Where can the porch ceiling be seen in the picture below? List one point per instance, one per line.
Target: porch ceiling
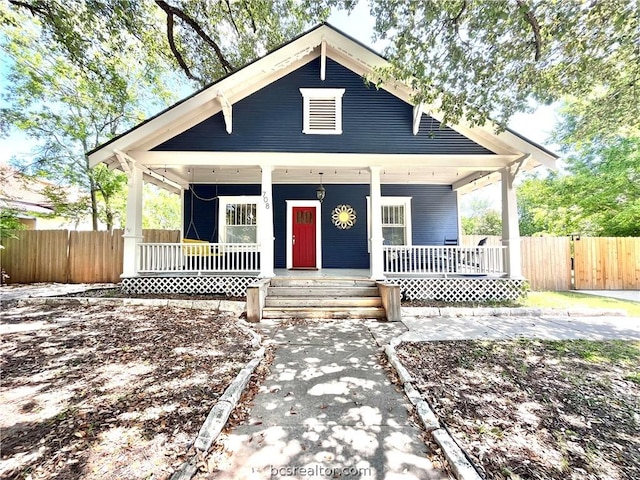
(399, 174)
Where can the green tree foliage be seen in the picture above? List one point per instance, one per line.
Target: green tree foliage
(161, 209)
(9, 221)
(205, 40)
(70, 107)
(598, 195)
(482, 219)
(476, 58)
(471, 58)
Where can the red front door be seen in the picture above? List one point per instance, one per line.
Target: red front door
(304, 237)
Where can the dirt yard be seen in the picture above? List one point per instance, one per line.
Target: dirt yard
(536, 409)
(100, 392)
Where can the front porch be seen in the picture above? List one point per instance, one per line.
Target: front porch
(450, 284)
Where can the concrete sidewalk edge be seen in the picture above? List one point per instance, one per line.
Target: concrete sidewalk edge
(461, 467)
(238, 307)
(220, 412)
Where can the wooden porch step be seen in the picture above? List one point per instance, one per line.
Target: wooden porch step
(323, 301)
(323, 312)
(328, 298)
(323, 291)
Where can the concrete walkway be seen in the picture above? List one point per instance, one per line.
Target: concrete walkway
(425, 328)
(631, 295)
(328, 410)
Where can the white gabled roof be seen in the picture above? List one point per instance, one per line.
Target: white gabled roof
(273, 66)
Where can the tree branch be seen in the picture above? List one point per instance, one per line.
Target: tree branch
(32, 8)
(535, 26)
(231, 16)
(170, 11)
(456, 21)
(174, 49)
(253, 20)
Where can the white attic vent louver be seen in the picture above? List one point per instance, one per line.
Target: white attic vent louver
(322, 110)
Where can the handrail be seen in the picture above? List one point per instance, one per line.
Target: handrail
(198, 257)
(444, 259)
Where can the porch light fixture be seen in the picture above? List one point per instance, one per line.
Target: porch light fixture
(320, 191)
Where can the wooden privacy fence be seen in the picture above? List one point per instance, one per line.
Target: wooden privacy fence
(546, 261)
(606, 263)
(70, 256)
(599, 263)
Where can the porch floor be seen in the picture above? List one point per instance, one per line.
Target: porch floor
(333, 273)
(323, 273)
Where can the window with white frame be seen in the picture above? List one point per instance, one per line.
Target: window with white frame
(396, 220)
(322, 110)
(238, 220)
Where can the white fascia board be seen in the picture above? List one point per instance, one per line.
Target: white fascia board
(158, 159)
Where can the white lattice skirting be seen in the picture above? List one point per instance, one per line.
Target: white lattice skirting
(460, 289)
(231, 286)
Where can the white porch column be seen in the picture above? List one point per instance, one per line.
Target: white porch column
(133, 226)
(376, 259)
(510, 227)
(265, 223)
(459, 217)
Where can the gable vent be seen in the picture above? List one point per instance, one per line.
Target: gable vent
(322, 113)
(322, 110)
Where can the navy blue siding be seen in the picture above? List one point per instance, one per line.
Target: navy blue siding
(433, 217)
(433, 211)
(374, 121)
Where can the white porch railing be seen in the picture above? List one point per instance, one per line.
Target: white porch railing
(198, 257)
(479, 260)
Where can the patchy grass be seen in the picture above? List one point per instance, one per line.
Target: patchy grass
(101, 392)
(579, 300)
(536, 409)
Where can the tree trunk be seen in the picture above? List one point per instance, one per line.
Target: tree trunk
(92, 188)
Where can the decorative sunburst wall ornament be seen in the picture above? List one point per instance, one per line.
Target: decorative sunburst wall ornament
(343, 216)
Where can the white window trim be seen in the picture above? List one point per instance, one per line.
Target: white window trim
(391, 201)
(336, 94)
(304, 203)
(223, 201)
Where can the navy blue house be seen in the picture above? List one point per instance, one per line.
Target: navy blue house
(300, 161)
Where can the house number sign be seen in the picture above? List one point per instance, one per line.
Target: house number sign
(265, 199)
(343, 217)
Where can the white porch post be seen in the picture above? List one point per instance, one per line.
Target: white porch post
(459, 217)
(510, 227)
(376, 260)
(265, 223)
(133, 227)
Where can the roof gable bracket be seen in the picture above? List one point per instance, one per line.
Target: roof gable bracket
(521, 163)
(226, 110)
(323, 59)
(124, 160)
(417, 116)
